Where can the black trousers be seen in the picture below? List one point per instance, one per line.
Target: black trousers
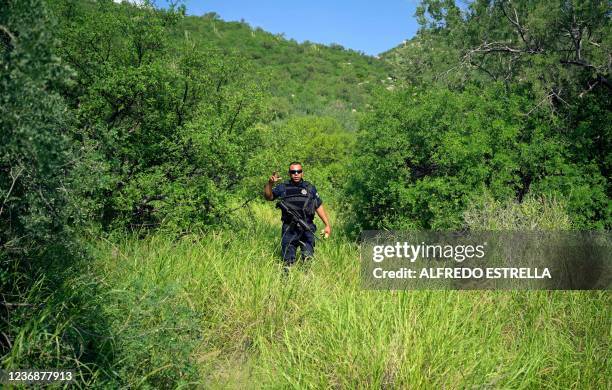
(294, 237)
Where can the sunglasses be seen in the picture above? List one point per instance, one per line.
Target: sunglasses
(295, 171)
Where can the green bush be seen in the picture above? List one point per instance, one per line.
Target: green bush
(423, 157)
(166, 126)
(48, 315)
(321, 144)
(35, 151)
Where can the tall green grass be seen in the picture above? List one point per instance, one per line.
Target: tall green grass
(215, 310)
(53, 320)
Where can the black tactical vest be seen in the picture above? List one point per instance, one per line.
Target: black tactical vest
(298, 198)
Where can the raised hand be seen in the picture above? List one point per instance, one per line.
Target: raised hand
(274, 178)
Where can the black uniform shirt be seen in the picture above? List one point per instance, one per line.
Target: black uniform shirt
(280, 189)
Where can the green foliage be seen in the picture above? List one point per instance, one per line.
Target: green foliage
(424, 156)
(552, 56)
(34, 148)
(59, 323)
(556, 49)
(44, 321)
(166, 124)
(175, 122)
(532, 214)
(321, 144)
(318, 328)
(306, 77)
(153, 341)
(173, 113)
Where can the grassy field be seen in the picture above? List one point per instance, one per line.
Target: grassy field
(215, 310)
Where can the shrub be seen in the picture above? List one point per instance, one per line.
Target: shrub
(423, 157)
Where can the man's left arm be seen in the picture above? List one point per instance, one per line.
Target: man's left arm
(321, 213)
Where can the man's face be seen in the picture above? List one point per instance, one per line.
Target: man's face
(295, 172)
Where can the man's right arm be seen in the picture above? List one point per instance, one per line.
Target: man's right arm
(268, 191)
(268, 187)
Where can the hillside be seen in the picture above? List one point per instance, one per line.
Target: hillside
(306, 77)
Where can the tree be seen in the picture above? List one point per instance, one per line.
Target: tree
(37, 159)
(35, 151)
(560, 50)
(555, 57)
(170, 122)
(423, 157)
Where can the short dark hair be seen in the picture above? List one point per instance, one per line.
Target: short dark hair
(295, 163)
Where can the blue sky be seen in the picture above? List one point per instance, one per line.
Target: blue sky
(368, 26)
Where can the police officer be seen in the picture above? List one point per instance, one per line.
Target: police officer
(302, 197)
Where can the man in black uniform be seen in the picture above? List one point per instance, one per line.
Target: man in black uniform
(303, 198)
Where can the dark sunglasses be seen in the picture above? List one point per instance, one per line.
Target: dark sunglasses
(295, 171)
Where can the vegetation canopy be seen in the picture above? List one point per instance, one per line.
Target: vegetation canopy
(136, 246)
